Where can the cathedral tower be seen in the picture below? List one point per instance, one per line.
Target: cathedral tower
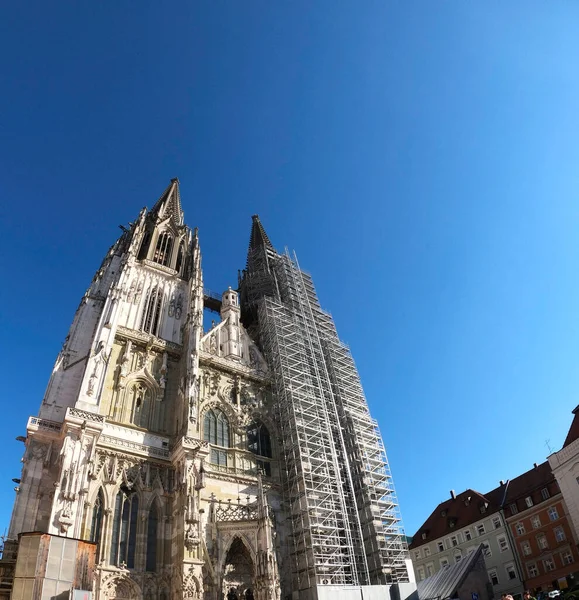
(154, 439)
(237, 462)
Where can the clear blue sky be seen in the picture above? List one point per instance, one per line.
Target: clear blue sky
(421, 157)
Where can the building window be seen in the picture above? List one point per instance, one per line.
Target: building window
(553, 514)
(560, 534)
(454, 540)
(529, 501)
(502, 541)
(426, 551)
(567, 557)
(163, 250)
(514, 509)
(180, 256)
(545, 494)
(549, 564)
(536, 522)
(440, 546)
(420, 573)
(258, 440)
(417, 554)
(511, 572)
(216, 428)
(520, 528)
(480, 529)
(542, 541)
(444, 563)
(97, 519)
(152, 523)
(218, 457)
(124, 534)
(458, 557)
(532, 570)
(467, 535)
(496, 522)
(141, 404)
(152, 312)
(429, 569)
(487, 549)
(526, 548)
(494, 576)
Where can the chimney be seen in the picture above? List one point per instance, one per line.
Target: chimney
(501, 482)
(452, 494)
(535, 465)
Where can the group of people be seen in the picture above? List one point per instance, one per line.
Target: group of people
(526, 596)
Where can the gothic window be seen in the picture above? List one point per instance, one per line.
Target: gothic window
(145, 245)
(152, 522)
(124, 529)
(180, 256)
(258, 440)
(163, 250)
(97, 519)
(216, 428)
(140, 399)
(152, 312)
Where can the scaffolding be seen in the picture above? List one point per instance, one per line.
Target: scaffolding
(345, 525)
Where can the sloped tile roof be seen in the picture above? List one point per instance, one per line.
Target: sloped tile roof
(453, 514)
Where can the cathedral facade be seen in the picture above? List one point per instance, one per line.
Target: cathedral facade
(235, 463)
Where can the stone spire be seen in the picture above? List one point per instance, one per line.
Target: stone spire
(169, 204)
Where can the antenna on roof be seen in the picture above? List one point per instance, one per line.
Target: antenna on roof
(548, 446)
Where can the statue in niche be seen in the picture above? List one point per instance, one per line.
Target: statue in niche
(253, 359)
(179, 306)
(163, 372)
(138, 293)
(213, 344)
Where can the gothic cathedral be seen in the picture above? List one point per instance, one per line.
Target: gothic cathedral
(236, 463)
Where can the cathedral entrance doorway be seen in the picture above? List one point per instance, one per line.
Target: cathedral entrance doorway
(238, 577)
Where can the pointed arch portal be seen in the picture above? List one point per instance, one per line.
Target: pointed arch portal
(238, 573)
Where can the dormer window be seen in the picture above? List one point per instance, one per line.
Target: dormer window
(163, 250)
(443, 512)
(424, 535)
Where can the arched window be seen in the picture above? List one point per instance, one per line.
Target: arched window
(180, 256)
(216, 428)
(124, 528)
(97, 519)
(141, 402)
(258, 440)
(163, 250)
(152, 312)
(152, 522)
(144, 249)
